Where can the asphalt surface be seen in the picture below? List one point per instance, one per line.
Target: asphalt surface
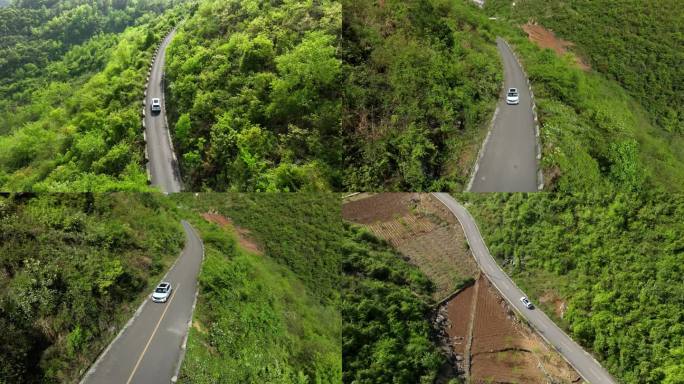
(149, 349)
(163, 165)
(583, 363)
(509, 158)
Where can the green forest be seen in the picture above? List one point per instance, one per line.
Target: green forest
(614, 259)
(72, 76)
(422, 82)
(271, 318)
(254, 94)
(387, 336)
(73, 268)
(595, 135)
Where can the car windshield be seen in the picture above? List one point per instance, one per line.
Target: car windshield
(512, 93)
(160, 289)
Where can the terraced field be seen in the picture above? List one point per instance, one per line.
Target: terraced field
(417, 226)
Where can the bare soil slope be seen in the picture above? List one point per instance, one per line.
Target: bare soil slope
(547, 39)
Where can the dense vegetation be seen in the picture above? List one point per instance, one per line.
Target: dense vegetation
(422, 80)
(386, 335)
(254, 95)
(596, 136)
(615, 259)
(71, 80)
(635, 42)
(269, 318)
(72, 268)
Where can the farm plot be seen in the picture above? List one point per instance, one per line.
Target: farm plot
(418, 227)
(502, 349)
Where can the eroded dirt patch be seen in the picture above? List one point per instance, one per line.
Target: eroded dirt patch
(242, 234)
(559, 305)
(547, 39)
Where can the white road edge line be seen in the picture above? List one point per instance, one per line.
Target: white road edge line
(194, 303)
(156, 327)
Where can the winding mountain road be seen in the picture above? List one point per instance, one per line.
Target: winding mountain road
(150, 347)
(163, 165)
(508, 162)
(590, 370)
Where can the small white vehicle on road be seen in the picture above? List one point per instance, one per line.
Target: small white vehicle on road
(162, 292)
(156, 105)
(526, 302)
(513, 96)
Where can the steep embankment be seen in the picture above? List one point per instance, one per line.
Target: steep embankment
(71, 82)
(72, 268)
(268, 303)
(253, 91)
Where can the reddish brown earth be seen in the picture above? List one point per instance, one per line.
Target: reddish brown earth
(458, 310)
(503, 350)
(547, 39)
(242, 234)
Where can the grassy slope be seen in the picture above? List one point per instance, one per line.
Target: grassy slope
(615, 260)
(72, 270)
(594, 134)
(270, 318)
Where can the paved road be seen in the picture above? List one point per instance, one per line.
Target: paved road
(585, 365)
(162, 165)
(148, 351)
(509, 158)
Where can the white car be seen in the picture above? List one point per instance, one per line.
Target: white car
(526, 302)
(513, 96)
(162, 292)
(156, 105)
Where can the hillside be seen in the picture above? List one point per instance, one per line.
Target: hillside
(72, 270)
(422, 81)
(607, 267)
(636, 43)
(618, 124)
(71, 80)
(254, 96)
(268, 308)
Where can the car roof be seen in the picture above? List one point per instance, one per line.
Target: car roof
(513, 90)
(164, 284)
(155, 100)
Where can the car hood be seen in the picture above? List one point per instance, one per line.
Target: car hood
(159, 295)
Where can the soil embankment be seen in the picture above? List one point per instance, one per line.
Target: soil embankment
(502, 349)
(547, 39)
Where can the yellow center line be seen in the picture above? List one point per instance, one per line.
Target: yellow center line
(168, 304)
